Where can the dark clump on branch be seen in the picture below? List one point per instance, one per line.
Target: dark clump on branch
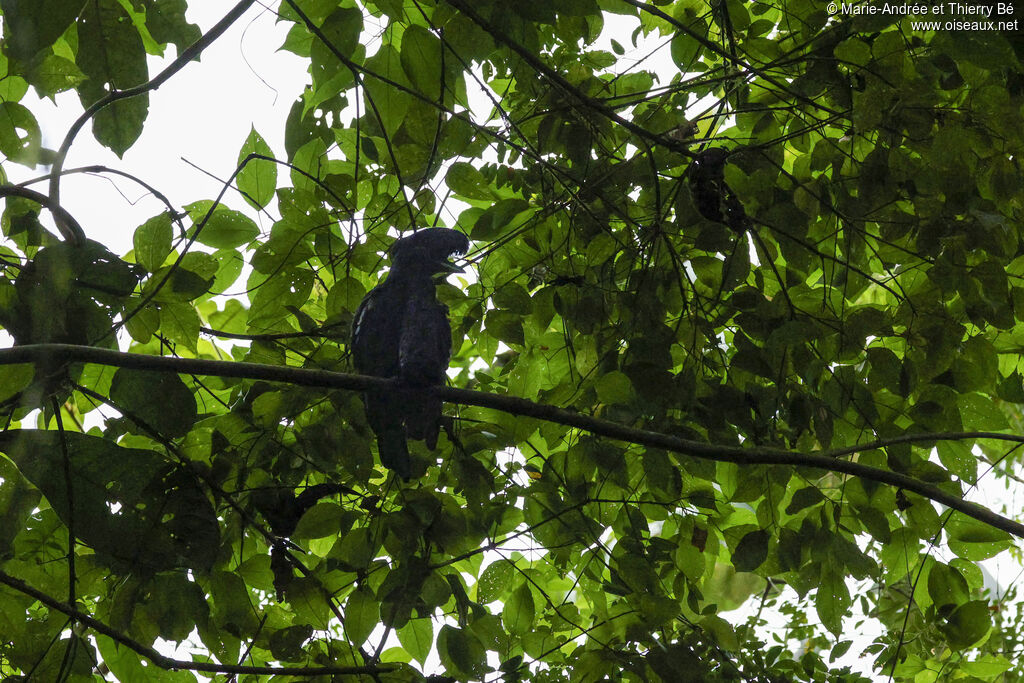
(714, 198)
(401, 331)
(70, 293)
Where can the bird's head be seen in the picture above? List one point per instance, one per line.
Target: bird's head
(426, 252)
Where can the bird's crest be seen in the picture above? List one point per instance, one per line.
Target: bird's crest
(430, 246)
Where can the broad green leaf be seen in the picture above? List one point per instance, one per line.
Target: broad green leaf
(224, 229)
(112, 56)
(968, 624)
(320, 521)
(257, 181)
(166, 22)
(33, 25)
(466, 181)
(495, 581)
(833, 597)
(387, 103)
(519, 611)
(614, 387)
(20, 137)
(417, 637)
(947, 586)
(362, 614)
(14, 379)
(421, 60)
(461, 652)
(974, 540)
(180, 322)
(287, 643)
(751, 551)
(55, 74)
(152, 242)
(232, 603)
(170, 417)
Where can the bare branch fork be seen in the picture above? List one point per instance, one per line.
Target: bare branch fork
(825, 460)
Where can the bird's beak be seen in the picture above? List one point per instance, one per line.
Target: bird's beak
(449, 268)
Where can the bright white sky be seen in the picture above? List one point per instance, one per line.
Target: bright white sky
(202, 114)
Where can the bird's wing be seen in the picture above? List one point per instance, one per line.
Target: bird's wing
(423, 356)
(426, 342)
(376, 329)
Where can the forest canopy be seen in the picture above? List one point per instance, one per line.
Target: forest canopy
(735, 389)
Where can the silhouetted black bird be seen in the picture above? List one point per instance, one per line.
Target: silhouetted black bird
(713, 198)
(401, 330)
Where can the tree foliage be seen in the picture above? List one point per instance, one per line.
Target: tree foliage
(741, 341)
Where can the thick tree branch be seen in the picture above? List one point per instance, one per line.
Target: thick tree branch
(170, 663)
(828, 460)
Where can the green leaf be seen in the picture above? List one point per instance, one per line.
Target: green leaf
(804, 498)
(20, 137)
(751, 551)
(33, 25)
(967, 624)
(495, 581)
(500, 218)
(684, 49)
(417, 637)
(112, 56)
(614, 387)
(287, 643)
(722, 631)
(854, 51)
(362, 614)
(466, 181)
(421, 59)
(166, 22)
(180, 322)
(152, 242)
(946, 586)
(341, 30)
(320, 521)
(258, 179)
(224, 229)
(232, 603)
(388, 104)
(974, 540)
(959, 459)
(519, 612)
(171, 416)
(55, 74)
(14, 379)
(833, 597)
(129, 667)
(461, 652)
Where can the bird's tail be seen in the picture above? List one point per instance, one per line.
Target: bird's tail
(384, 414)
(394, 452)
(423, 420)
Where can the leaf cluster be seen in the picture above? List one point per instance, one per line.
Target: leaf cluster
(871, 293)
